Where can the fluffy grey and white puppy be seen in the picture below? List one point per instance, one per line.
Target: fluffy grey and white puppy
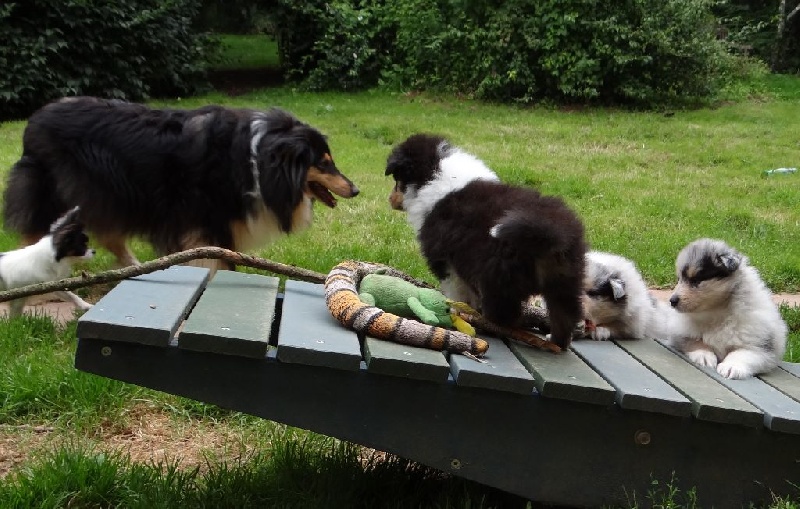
(733, 323)
(617, 304)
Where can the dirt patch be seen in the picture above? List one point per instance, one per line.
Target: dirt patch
(147, 435)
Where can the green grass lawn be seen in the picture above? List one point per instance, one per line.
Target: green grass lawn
(645, 184)
(246, 52)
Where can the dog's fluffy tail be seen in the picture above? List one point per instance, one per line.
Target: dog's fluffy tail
(537, 237)
(29, 202)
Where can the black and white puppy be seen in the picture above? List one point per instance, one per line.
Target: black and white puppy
(618, 305)
(50, 259)
(212, 176)
(490, 244)
(733, 323)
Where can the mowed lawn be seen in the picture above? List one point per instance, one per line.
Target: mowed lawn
(644, 183)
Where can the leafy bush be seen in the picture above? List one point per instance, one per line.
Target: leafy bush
(633, 51)
(128, 49)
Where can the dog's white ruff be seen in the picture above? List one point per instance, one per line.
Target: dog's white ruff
(456, 170)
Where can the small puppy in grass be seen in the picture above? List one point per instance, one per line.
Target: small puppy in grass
(490, 244)
(732, 323)
(618, 305)
(50, 259)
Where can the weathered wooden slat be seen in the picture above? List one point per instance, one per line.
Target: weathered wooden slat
(145, 309)
(637, 387)
(784, 382)
(564, 375)
(387, 358)
(791, 367)
(233, 316)
(500, 370)
(710, 401)
(310, 335)
(781, 413)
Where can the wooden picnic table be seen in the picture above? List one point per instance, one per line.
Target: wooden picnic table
(587, 427)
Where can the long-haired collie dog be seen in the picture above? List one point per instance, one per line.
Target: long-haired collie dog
(213, 176)
(733, 323)
(490, 244)
(618, 305)
(50, 259)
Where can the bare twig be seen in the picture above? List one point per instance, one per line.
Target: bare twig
(216, 253)
(524, 336)
(794, 13)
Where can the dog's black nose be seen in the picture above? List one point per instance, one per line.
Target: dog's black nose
(674, 301)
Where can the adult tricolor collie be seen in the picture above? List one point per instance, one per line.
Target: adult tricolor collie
(490, 244)
(212, 176)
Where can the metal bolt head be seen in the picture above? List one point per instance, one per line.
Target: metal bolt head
(642, 437)
(455, 464)
(105, 351)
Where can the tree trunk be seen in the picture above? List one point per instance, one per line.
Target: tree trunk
(786, 17)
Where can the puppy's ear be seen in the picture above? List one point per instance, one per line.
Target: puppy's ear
(617, 288)
(69, 219)
(729, 261)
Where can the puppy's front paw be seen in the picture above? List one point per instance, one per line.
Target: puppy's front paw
(601, 334)
(85, 306)
(734, 370)
(703, 358)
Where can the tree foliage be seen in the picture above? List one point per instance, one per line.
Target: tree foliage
(629, 51)
(130, 49)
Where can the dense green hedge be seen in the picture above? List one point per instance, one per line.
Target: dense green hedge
(627, 51)
(127, 49)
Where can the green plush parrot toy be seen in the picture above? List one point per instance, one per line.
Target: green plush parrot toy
(402, 298)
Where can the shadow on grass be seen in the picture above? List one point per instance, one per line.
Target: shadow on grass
(235, 82)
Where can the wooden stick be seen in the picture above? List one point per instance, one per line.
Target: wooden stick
(524, 336)
(162, 263)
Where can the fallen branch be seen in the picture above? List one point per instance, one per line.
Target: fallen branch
(216, 253)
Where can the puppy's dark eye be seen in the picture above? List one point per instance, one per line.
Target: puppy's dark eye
(705, 274)
(693, 281)
(603, 291)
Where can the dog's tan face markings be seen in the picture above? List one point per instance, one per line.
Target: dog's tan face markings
(396, 197)
(324, 178)
(706, 271)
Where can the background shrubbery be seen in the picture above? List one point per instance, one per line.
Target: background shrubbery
(127, 49)
(637, 52)
(631, 51)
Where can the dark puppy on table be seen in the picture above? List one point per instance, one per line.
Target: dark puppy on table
(491, 245)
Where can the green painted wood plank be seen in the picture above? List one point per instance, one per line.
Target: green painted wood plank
(564, 375)
(637, 387)
(781, 413)
(710, 400)
(784, 381)
(233, 316)
(308, 333)
(500, 370)
(389, 358)
(791, 367)
(146, 309)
